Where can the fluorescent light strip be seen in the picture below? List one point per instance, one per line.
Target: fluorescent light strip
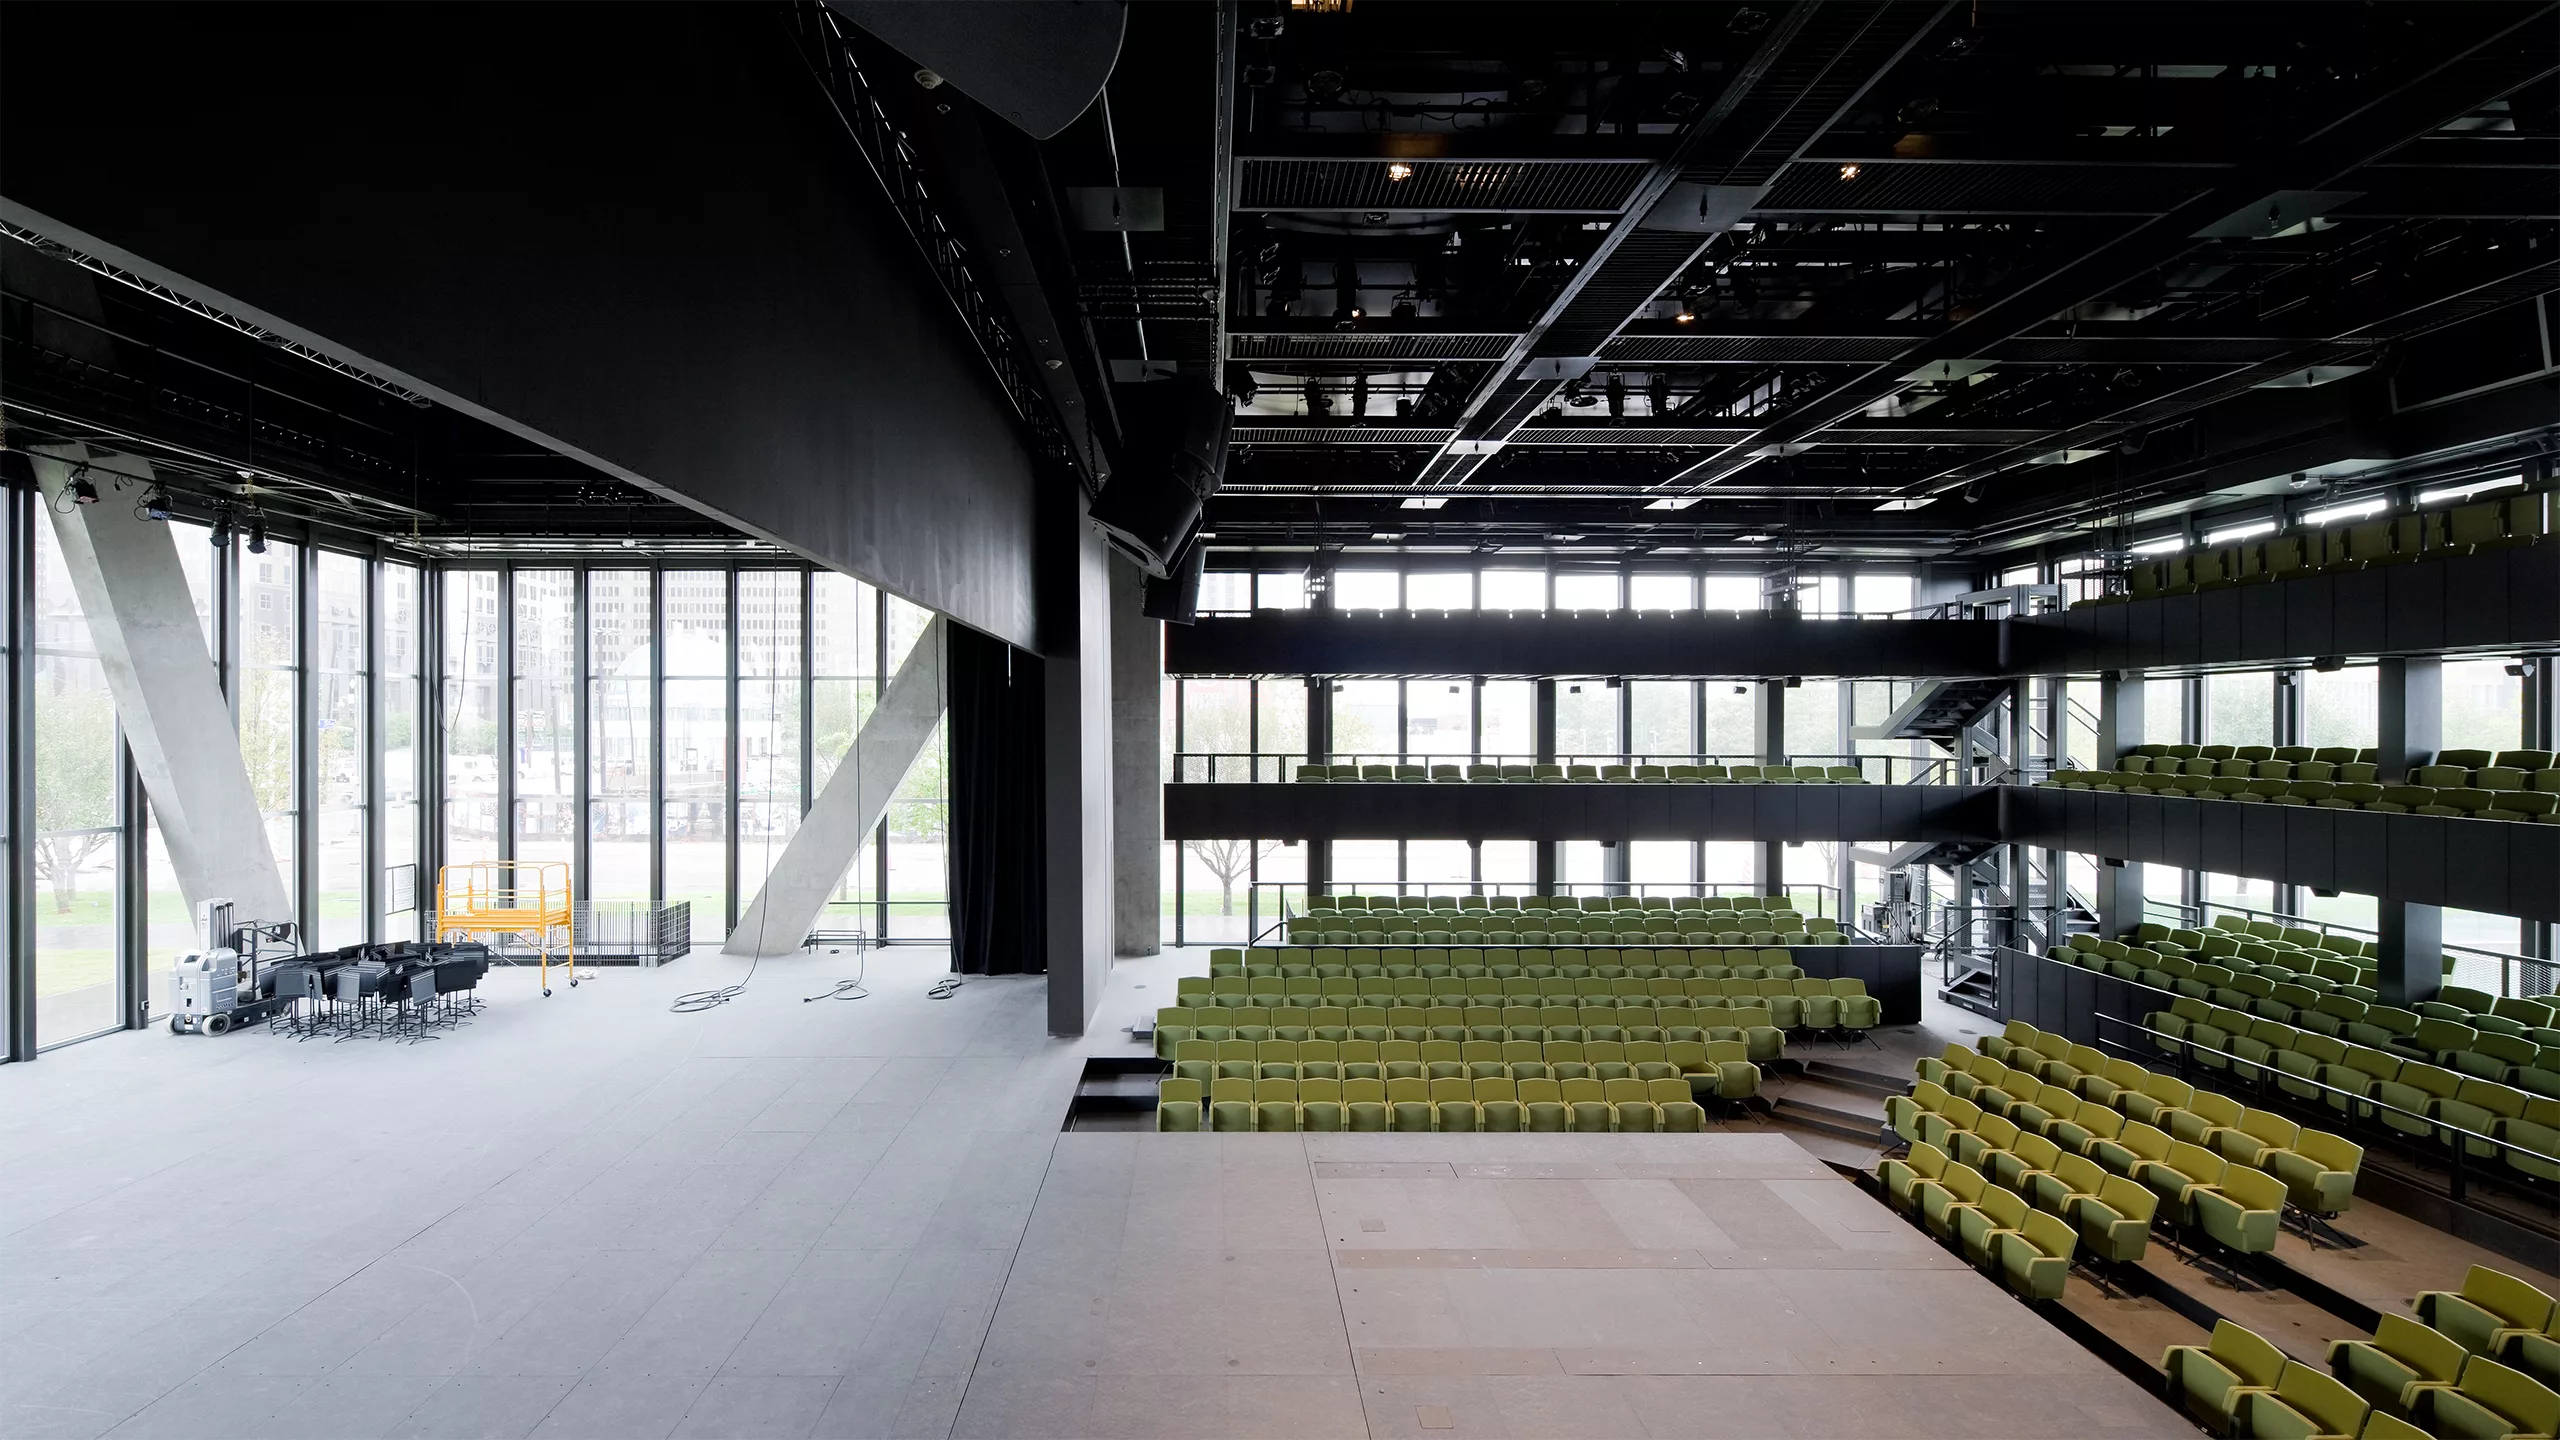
(2352, 510)
(2240, 532)
(2465, 492)
(2161, 546)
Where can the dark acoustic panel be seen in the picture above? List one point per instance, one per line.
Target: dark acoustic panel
(2218, 625)
(2414, 851)
(2475, 601)
(2363, 851)
(2359, 613)
(2310, 849)
(2413, 606)
(1321, 642)
(2310, 619)
(1423, 811)
(2477, 871)
(2262, 610)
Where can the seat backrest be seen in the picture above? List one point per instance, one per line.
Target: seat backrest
(2321, 1398)
(2196, 1163)
(2128, 1198)
(2050, 1234)
(2253, 1189)
(2246, 1354)
(2529, 1406)
(2435, 1355)
(2083, 1175)
(2521, 1305)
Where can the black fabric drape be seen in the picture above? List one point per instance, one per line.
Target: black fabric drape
(996, 909)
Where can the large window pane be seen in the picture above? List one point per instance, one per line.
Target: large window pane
(468, 716)
(545, 753)
(2240, 708)
(1437, 722)
(1364, 721)
(338, 671)
(1217, 883)
(1732, 592)
(619, 745)
(2338, 708)
(1509, 713)
(77, 814)
(695, 752)
(1440, 590)
(844, 635)
(1282, 706)
(1660, 867)
(1586, 722)
(1225, 592)
(768, 720)
(918, 824)
(267, 625)
(2163, 713)
(1367, 590)
(1217, 716)
(1732, 731)
(1280, 590)
(2483, 706)
(1364, 867)
(1586, 591)
(401, 622)
(1883, 594)
(1509, 867)
(1660, 592)
(1813, 722)
(1659, 713)
(1513, 590)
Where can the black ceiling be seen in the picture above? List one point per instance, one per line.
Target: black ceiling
(1664, 274)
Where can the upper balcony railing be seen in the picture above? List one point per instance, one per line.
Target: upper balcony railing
(1218, 767)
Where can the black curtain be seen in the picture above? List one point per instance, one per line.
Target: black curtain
(996, 746)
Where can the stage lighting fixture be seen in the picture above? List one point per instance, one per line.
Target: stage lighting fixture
(1398, 171)
(257, 544)
(1850, 172)
(220, 535)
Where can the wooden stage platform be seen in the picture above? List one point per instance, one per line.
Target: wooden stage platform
(1507, 1285)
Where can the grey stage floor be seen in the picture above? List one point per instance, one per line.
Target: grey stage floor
(1506, 1285)
(589, 1217)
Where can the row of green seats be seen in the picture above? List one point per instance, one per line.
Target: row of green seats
(1722, 1067)
(2540, 802)
(1581, 1107)
(1606, 939)
(2523, 1026)
(1817, 1005)
(2319, 1169)
(2507, 1123)
(2517, 1060)
(2030, 1246)
(2481, 1361)
(2391, 540)
(1751, 1024)
(1335, 963)
(1545, 904)
(1515, 989)
(1482, 774)
(2317, 967)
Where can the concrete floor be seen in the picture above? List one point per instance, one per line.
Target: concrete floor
(588, 1216)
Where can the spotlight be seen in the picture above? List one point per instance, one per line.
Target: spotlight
(221, 533)
(1275, 308)
(83, 491)
(2522, 669)
(1398, 171)
(1688, 310)
(257, 544)
(630, 542)
(1850, 172)
(154, 506)
(1403, 309)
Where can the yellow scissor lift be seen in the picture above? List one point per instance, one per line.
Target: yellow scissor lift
(497, 898)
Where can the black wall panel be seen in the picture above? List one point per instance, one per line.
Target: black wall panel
(2363, 850)
(710, 297)
(2309, 616)
(1580, 812)
(2475, 600)
(2476, 869)
(2262, 612)
(2413, 606)
(2359, 613)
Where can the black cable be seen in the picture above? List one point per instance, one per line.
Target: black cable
(852, 989)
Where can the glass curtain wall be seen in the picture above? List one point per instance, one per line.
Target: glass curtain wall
(399, 653)
(695, 755)
(621, 736)
(543, 747)
(342, 745)
(267, 644)
(79, 813)
(467, 720)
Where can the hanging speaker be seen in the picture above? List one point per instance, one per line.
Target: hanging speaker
(1175, 597)
(1174, 460)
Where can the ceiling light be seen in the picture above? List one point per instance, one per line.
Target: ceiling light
(1424, 502)
(1913, 504)
(1673, 502)
(1390, 535)
(1688, 310)
(2230, 533)
(2465, 492)
(1564, 537)
(1399, 171)
(2353, 509)
(2161, 546)
(1850, 172)
(1754, 538)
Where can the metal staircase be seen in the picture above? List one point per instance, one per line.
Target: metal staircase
(1941, 711)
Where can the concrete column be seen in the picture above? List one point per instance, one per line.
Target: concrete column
(2120, 718)
(142, 619)
(2119, 898)
(2411, 958)
(1076, 688)
(2409, 695)
(1137, 786)
(848, 809)
(1769, 738)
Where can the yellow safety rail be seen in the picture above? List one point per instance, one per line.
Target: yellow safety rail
(497, 898)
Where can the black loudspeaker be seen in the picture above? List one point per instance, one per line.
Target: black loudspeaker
(1175, 597)
(1173, 461)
